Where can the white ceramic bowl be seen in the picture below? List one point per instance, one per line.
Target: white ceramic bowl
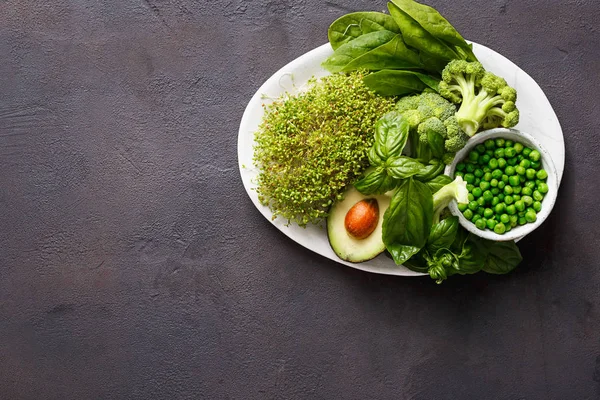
(547, 203)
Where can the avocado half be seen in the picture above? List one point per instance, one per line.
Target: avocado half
(347, 247)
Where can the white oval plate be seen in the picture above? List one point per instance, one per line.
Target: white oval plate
(537, 118)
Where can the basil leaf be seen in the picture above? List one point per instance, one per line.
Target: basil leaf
(417, 263)
(436, 143)
(407, 221)
(389, 82)
(432, 21)
(357, 47)
(376, 182)
(418, 37)
(391, 134)
(438, 182)
(353, 25)
(403, 167)
(473, 255)
(503, 257)
(461, 237)
(442, 235)
(430, 171)
(391, 55)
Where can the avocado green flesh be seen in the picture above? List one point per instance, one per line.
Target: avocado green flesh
(347, 247)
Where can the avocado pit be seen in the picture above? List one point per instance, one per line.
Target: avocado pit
(361, 220)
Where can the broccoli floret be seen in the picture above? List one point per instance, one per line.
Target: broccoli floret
(429, 113)
(486, 101)
(455, 190)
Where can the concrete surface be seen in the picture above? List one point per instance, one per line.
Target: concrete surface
(133, 265)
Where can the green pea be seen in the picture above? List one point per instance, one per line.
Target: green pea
(500, 228)
(478, 173)
(493, 163)
(469, 177)
(516, 197)
(512, 161)
(476, 218)
(495, 201)
(480, 148)
(501, 163)
(479, 211)
(497, 174)
(510, 152)
(487, 176)
(522, 220)
(477, 192)
(510, 170)
(519, 158)
(513, 180)
(542, 188)
(462, 207)
(508, 190)
(501, 196)
(530, 173)
(459, 173)
(522, 179)
(485, 159)
(500, 142)
(468, 214)
(490, 153)
(525, 163)
(526, 151)
(470, 187)
(537, 206)
(488, 213)
(520, 170)
(470, 168)
(480, 201)
(530, 216)
(509, 143)
(529, 209)
(500, 208)
(460, 166)
(541, 174)
(508, 228)
(536, 164)
(535, 155)
(508, 199)
(518, 147)
(521, 213)
(511, 209)
(514, 220)
(530, 184)
(504, 219)
(473, 205)
(484, 185)
(499, 153)
(480, 224)
(501, 184)
(520, 205)
(516, 189)
(528, 200)
(486, 169)
(537, 196)
(504, 178)
(488, 196)
(489, 144)
(491, 224)
(473, 156)
(476, 181)
(526, 191)
(494, 182)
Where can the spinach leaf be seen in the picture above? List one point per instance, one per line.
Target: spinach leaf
(391, 55)
(391, 134)
(353, 25)
(376, 182)
(416, 36)
(433, 22)
(438, 182)
(390, 82)
(357, 47)
(403, 167)
(503, 257)
(407, 221)
(442, 235)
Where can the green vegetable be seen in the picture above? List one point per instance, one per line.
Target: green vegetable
(354, 25)
(399, 82)
(407, 222)
(438, 182)
(486, 101)
(502, 257)
(456, 190)
(310, 146)
(356, 48)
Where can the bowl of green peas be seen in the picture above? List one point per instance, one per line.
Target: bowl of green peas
(512, 184)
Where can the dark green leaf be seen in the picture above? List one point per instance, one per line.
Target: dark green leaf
(376, 182)
(433, 169)
(416, 36)
(407, 221)
(461, 237)
(391, 55)
(442, 235)
(473, 255)
(389, 82)
(438, 182)
(391, 134)
(436, 143)
(432, 21)
(403, 167)
(353, 25)
(503, 257)
(355, 48)
(417, 263)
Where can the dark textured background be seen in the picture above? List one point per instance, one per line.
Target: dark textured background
(134, 266)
